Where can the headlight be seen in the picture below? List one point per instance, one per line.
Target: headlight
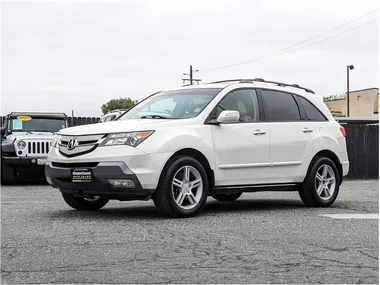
(131, 139)
(55, 140)
(21, 144)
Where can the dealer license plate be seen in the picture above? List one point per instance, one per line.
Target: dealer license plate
(82, 175)
(41, 161)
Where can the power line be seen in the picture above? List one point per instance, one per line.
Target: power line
(281, 51)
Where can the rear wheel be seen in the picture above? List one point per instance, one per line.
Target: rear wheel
(227, 197)
(85, 204)
(8, 174)
(321, 185)
(183, 188)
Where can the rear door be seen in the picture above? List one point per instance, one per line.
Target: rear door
(290, 135)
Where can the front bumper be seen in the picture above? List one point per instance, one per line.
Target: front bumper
(60, 177)
(33, 161)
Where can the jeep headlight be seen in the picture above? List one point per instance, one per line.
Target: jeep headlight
(55, 140)
(131, 139)
(21, 144)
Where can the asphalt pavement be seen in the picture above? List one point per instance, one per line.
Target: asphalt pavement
(261, 238)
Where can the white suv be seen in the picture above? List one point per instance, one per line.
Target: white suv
(217, 139)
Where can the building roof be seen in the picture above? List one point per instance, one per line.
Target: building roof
(360, 90)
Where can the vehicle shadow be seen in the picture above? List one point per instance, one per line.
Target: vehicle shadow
(211, 208)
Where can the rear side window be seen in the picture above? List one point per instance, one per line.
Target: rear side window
(312, 113)
(280, 106)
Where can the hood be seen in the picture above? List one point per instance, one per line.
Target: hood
(117, 127)
(25, 135)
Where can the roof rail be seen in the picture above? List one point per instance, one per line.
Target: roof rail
(265, 81)
(283, 84)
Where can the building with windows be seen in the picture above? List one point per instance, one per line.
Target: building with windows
(364, 103)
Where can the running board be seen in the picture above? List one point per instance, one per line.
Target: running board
(254, 188)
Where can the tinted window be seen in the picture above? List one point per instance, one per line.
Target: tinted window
(243, 101)
(312, 113)
(280, 106)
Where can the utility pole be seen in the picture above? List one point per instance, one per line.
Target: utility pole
(349, 67)
(191, 78)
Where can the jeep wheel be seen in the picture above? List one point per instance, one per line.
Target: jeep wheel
(85, 204)
(183, 188)
(321, 185)
(8, 176)
(226, 197)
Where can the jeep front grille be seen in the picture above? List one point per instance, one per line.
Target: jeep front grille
(38, 148)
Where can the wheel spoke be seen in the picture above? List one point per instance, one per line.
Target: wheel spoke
(191, 198)
(327, 192)
(187, 173)
(177, 182)
(330, 180)
(324, 171)
(180, 198)
(319, 189)
(319, 177)
(196, 183)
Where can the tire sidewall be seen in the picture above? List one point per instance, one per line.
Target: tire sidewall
(173, 168)
(316, 166)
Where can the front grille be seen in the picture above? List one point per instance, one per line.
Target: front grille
(38, 148)
(74, 165)
(84, 144)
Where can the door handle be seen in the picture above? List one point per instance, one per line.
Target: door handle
(306, 130)
(259, 133)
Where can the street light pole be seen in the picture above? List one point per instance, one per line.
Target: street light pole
(349, 67)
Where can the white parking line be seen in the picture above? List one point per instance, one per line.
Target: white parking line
(352, 216)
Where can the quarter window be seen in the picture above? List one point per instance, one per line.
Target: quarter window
(312, 113)
(280, 106)
(244, 101)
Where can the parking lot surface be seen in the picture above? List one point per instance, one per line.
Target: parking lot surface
(261, 238)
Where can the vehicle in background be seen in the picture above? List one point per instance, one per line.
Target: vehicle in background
(25, 143)
(112, 115)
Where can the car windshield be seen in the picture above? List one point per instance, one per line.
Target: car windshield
(177, 104)
(37, 124)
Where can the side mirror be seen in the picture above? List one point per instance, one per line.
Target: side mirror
(2, 132)
(228, 116)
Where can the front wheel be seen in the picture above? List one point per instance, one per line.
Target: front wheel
(183, 188)
(84, 204)
(226, 197)
(321, 185)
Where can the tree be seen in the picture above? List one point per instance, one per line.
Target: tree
(121, 103)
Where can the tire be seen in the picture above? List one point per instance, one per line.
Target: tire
(309, 189)
(193, 195)
(227, 197)
(8, 174)
(82, 204)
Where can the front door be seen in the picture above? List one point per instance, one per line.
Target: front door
(242, 150)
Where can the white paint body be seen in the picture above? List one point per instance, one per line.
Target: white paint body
(237, 156)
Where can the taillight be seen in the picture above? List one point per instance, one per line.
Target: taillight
(342, 130)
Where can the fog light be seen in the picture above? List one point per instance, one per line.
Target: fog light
(33, 160)
(122, 183)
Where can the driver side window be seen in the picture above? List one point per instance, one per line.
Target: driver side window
(244, 101)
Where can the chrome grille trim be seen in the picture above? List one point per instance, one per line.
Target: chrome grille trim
(86, 144)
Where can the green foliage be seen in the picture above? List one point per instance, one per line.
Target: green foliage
(334, 97)
(121, 103)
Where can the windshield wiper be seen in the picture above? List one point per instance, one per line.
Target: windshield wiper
(154, 117)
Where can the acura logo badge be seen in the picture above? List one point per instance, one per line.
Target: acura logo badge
(72, 144)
